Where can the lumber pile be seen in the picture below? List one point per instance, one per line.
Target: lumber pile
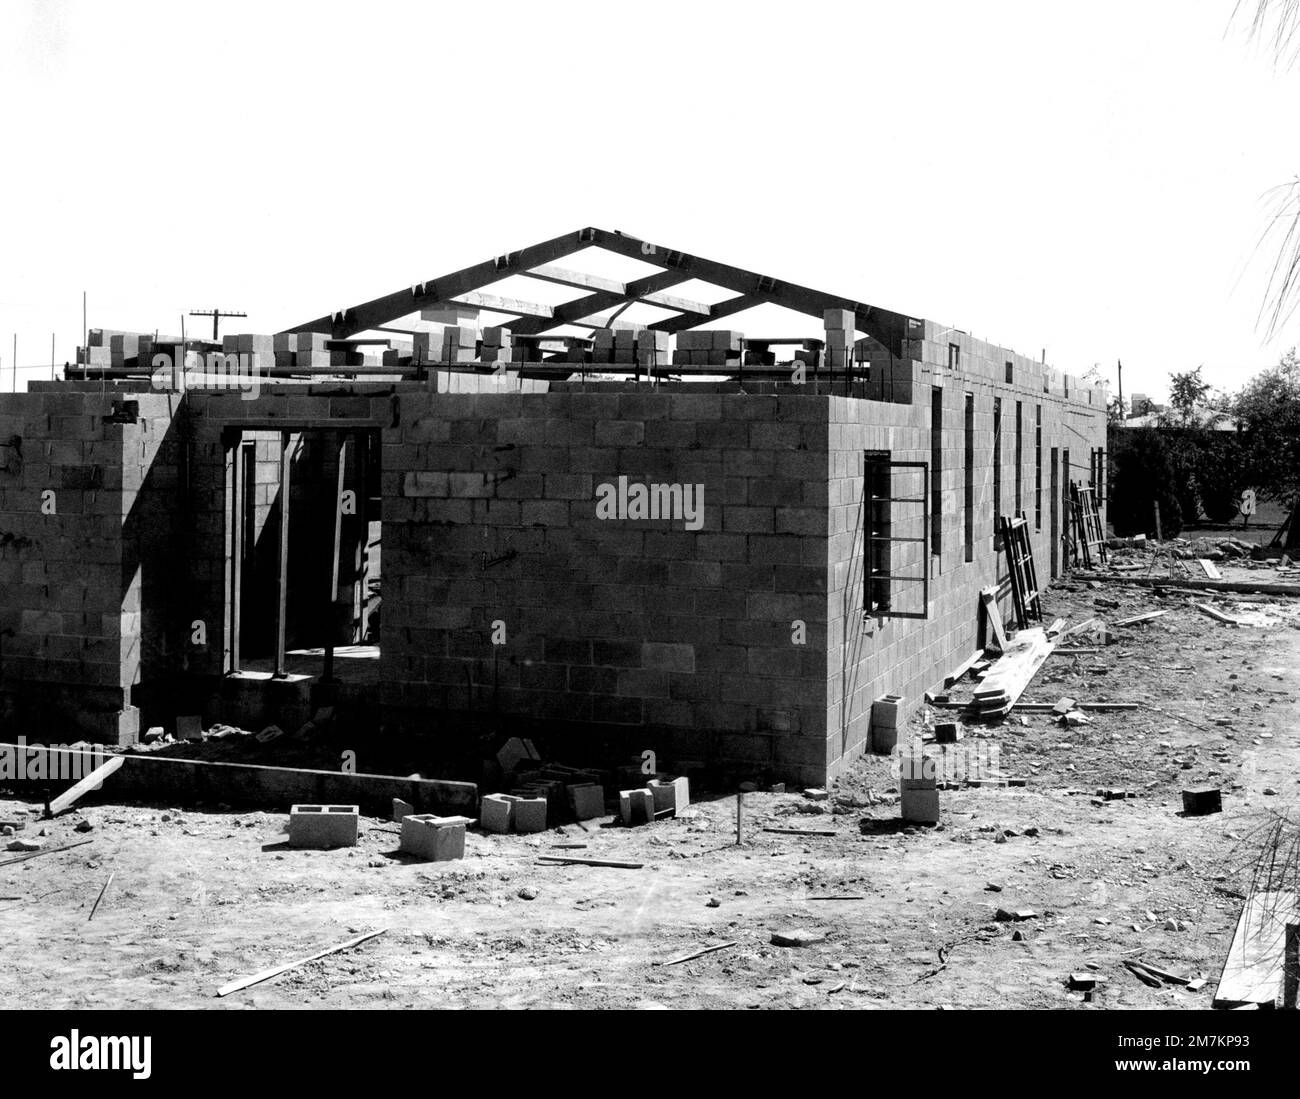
(1012, 672)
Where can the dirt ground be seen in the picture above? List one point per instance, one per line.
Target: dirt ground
(200, 898)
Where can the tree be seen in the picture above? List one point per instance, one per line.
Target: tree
(1143, 476)
(1186, 391)
(1268, 410)
(1278, 23)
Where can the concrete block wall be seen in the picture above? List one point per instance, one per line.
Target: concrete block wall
(871, 656)
(638, 630)
(71, 586)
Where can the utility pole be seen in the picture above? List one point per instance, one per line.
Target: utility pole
(216, 315)
(1119, 365)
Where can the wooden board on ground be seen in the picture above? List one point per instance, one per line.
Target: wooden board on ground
(1209, 568)
(1217, 615)
(1253, 968)
(1139, 619)
(91, 782)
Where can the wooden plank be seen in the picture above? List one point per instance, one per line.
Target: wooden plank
(104, 889)
(1209, 568)
(1217, 615)
(494, 303)
(43, 851)
(91, 782)
(1013, 672)
(803, 831)
(1138, 619)
(962, 668)
(1253, 969)
(267, 974)
(1240, 586)
(993, 617)
(699, 953)
(591, 862)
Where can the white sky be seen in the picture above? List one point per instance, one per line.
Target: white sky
(1088, 178)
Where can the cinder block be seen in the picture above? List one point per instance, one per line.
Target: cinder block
(674, 794)
(886, 713)
(189, 727)
(588, 801)
(947, 732)
(496, 813)
(636, 806)
(435, 839)
(530, 815)
(323, 826)
(920, 804)
(1202, 801)
(402, 809)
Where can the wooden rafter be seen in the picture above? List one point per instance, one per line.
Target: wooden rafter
(537, 261)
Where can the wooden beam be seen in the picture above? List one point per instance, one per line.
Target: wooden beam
(574, 311)
(889, 328)
(578, 279)
(497, 304)
(282, 558)
(91, 782)
(726, 308)
(682, 305)
(411, 299)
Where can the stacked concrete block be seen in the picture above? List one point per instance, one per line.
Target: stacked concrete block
(322, 827)
(839, 337)
(616, 345)
(426, 347)
(636, 806)
(918, 789)
(256, 352)
(706, 347)
(886, 717)
(460, 343)
(653, 348)
(460, 315)
(433, 838)
(497, 346)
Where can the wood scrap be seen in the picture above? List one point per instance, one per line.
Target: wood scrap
(962, 668)
(267, 974)
(91, 782)
(591, 862)
(44, 851)
(803, 831)
(1139, 619)
(844, 897)
(1217, 615)
(1074, 652)
(1140, 972)
(1253, 969)
(104, 889)
(1209, 568)
(699, 953)
(1164, 975)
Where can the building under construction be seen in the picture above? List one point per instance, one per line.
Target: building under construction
(610, 521)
